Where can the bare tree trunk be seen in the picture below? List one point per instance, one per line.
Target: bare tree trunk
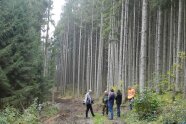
(45, 72)
(178, 44)
(91, 45)
(79, 56)
(134, 44)
(149, 43)
(125, 35)
(95, 63)
(158, 42)
(88, 66)
(164, 43)
(129, 52)
(171, 41)
(100, 57)
(74, 59)
(66, 61)
(143, 46)
(83, 68)
(184, 49)
(138, 42)
(174, 46)
(109, 72)
(61, 74)
(120, 45)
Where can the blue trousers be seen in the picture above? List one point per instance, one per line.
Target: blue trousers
(118, 110)
(131, 103)
(111, 114)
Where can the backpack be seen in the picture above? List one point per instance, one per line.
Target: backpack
(105, 99)
(88, 101)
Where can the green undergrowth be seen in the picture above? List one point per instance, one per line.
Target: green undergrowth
(169, 111)
(164, 111)
(11, 115)
(99, 119)
(31, 115)
(49, 110)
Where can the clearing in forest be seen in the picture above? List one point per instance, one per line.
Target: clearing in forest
(72, 111)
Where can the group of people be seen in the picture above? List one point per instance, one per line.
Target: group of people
(108, 102)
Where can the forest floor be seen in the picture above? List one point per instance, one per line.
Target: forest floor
(72, 111)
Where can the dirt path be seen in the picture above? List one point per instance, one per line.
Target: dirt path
(72, 111)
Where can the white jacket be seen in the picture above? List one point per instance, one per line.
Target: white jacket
(87, 97)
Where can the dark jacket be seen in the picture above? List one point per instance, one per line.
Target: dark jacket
(118, 98)
(111, 98)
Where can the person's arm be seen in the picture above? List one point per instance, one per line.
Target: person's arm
(116, 97)
(85, 98)
(121, 98)
(103, 99)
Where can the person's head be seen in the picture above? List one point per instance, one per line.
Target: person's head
(112, 90)
(129, 88)
(118, 92)
(90, 91)
(106, 93)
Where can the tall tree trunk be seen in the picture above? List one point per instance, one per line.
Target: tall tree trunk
(120, 45)
(158, 42)
(143, 46)
(134, 44)
(46, 43)
(171, 41)
(100, 57)
(91, 46)
(184, 49)
(125, 42)
(95, 63)
(138, 40)
(79, 56)
(109, 72)
(178, 44)
(88, 66)
(149, 53)
(74, 59)
(84, 61)
(164, 43)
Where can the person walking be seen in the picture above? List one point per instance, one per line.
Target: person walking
(111, 98)
(105, 103)
(118, 102)
(131, 94)
(88, 101)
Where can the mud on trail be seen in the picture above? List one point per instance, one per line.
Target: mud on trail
(72, 111)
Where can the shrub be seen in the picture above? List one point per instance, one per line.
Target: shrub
(8, 115)
(30, 115)
(175, 113)
(147, 105)
(11, 115)
(49, 110)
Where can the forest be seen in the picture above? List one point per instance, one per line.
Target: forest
(98, 45)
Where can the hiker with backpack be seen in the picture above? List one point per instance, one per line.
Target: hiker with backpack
(88, 101)
(118, 102)
(105, 103)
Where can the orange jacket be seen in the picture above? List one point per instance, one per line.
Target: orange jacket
(131, 93)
